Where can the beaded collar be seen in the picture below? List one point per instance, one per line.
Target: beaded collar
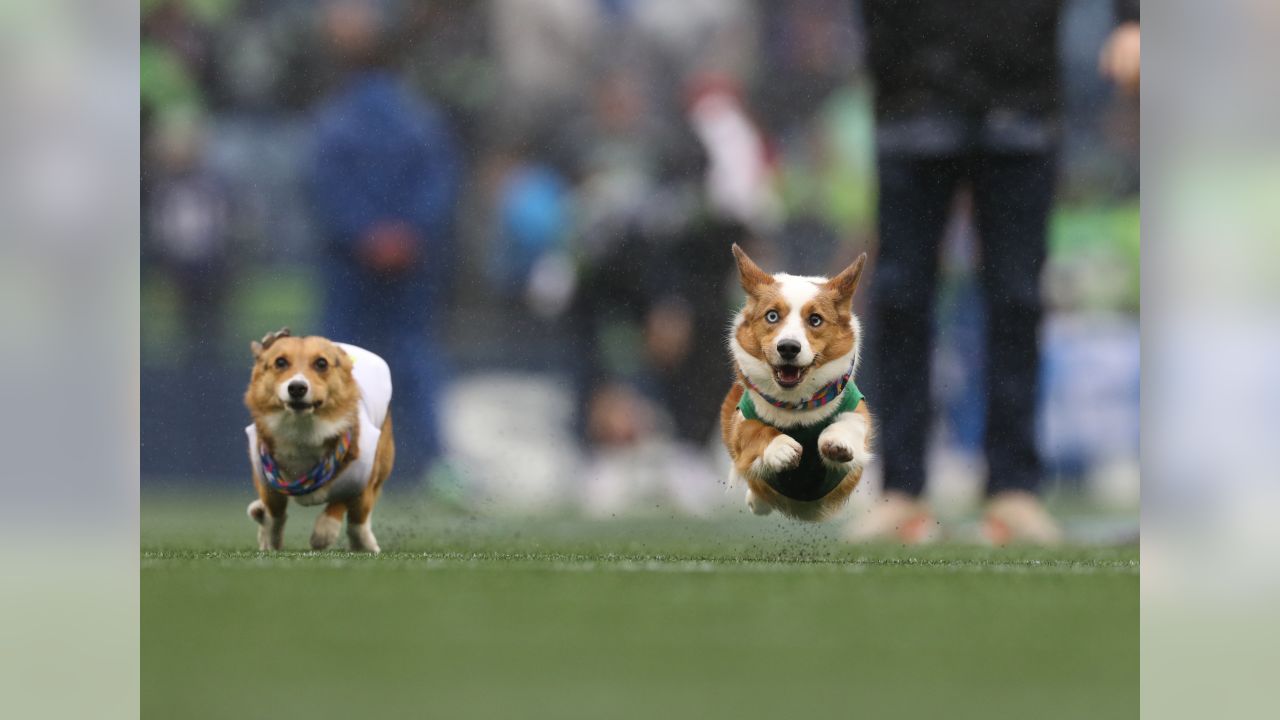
(315, 478)
(824, 395)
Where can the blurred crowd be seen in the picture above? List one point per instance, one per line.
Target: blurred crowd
(526, 207)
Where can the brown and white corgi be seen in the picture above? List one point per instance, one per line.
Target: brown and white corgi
(794, 421)
(321, 434)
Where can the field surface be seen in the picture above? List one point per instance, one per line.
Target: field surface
(468, 616)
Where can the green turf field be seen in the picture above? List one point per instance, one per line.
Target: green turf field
(738, 617)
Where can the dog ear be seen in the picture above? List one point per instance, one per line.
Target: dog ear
(750, 274)
(258, 346)
(844, 284)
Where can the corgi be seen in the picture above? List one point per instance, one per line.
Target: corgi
(794, 422)
(321, 434)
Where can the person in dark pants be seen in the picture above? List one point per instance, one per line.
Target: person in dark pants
(967, 94)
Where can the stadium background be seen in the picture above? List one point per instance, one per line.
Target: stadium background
(535, 94)
(631, 585)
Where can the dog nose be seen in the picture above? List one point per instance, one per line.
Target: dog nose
(297, 390)
(788, 349)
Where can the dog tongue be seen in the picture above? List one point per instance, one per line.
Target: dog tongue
(789, 373)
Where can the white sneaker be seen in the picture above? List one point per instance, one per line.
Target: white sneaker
(1016, 516)
(895, 517)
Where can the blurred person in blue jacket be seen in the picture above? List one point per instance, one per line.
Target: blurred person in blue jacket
(384, 181)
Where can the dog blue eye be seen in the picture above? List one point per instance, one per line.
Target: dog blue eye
(771, 316)
(815, 320)
(282, 363)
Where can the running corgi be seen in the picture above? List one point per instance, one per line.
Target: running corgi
(321, 434)
(794, 422)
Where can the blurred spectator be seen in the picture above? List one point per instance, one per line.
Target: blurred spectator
(171, 57)
(729, 196)
(385, 179)
(659, 214)
(1121, 57)
(966, 94)
(615, 153)
(529, 258)
(527, 214)
(171, 28)
(808, 51)
(188, 221)
(543, 50)
(448, 57)
(739, 182)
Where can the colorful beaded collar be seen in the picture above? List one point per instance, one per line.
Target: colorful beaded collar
(315, 478)
(824, 395)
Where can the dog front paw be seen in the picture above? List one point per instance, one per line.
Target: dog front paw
(781, 454)
(836, 451)
(844, 443)
(270, 529)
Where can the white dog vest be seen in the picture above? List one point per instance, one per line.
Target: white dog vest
(373, 377)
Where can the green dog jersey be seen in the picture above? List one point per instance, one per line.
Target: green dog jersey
(812, 479)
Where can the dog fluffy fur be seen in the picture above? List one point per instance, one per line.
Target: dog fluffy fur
(815, 314)
(302, 431)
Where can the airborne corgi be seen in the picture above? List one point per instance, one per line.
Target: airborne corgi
(794, 422)
(321, 434)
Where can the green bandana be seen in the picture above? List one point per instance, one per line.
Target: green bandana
(812, 479)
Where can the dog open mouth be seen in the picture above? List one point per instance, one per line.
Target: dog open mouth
(300, 406)
(789, 376)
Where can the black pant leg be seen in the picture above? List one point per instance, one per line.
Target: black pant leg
(697, 269)
(914, 203)
(1013, 195)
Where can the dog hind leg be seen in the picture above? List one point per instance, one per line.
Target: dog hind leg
(360, 509)
(360, 523)
(758, 504)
